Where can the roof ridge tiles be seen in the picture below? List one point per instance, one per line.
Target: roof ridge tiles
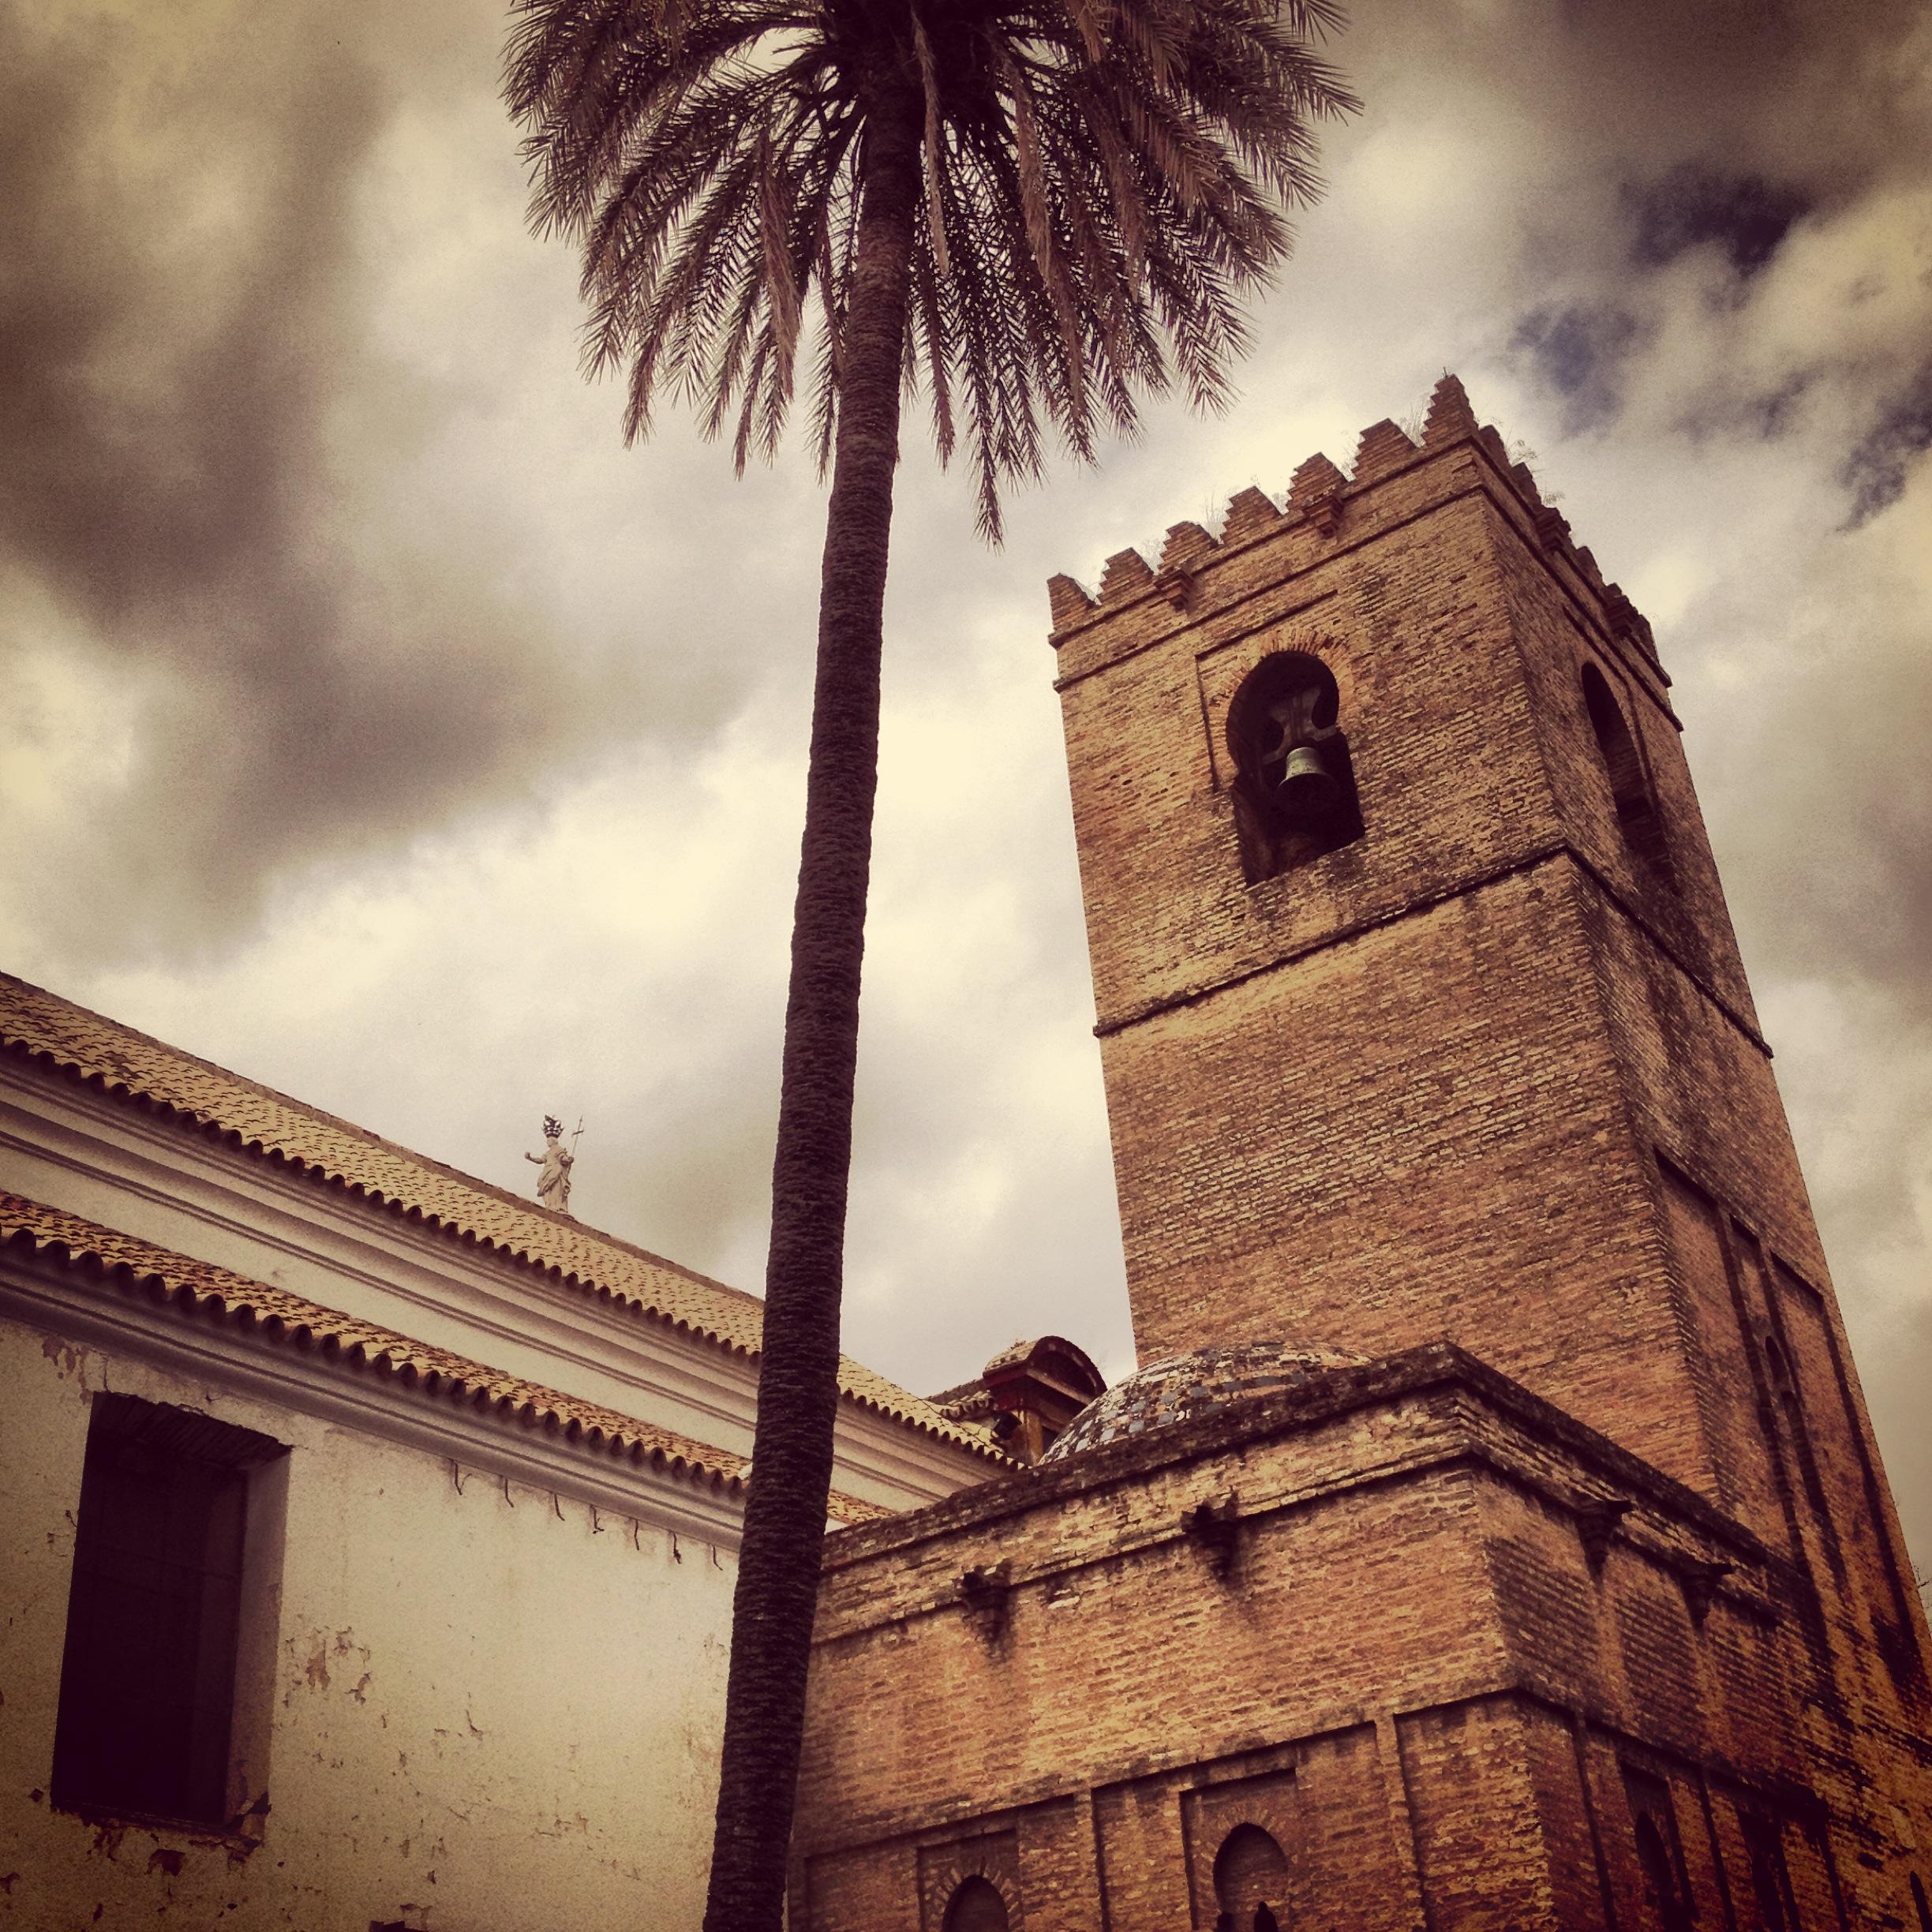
(107, 1054)
(202, 1288)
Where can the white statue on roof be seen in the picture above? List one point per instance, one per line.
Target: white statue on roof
(553, 1184)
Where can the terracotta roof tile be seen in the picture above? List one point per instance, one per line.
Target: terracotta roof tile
(131, 1066)
(199, 1288)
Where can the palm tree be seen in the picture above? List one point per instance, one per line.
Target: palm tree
(1035, 210)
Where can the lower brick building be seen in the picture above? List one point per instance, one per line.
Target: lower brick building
(1493, 1536)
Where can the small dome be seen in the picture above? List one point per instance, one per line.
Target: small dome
(1181, 1387)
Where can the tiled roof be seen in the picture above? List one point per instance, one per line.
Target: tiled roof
(199, 1290)
(131, 1067)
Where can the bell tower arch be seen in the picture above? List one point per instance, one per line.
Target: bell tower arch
(1293, 789)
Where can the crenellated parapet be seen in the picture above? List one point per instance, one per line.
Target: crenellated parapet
(1324, 507)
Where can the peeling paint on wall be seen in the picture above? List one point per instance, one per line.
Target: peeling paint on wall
(538, 1747)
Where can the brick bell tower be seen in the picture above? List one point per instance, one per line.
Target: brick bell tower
(1492, 1539)
(1421, 1012)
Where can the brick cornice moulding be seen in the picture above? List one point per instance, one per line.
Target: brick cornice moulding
(1457, 889)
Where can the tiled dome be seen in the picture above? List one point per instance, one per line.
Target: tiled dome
(1182, 1387)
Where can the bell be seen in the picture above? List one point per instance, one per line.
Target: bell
(1307, 787)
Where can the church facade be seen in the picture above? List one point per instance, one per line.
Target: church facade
(1493, 1536)
(367, 1533)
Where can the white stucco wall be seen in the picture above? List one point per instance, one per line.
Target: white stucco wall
(482, 1713)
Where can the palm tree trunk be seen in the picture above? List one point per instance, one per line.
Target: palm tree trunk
(798, 1369)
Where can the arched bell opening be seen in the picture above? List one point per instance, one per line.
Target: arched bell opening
(1294, 788)
(1251, 1882)
(1638, 819)
(976, 1907)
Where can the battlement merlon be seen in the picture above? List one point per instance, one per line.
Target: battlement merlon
(1327, 511)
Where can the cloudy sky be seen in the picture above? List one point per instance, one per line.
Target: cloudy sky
(378, 726)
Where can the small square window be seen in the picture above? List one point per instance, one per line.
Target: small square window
(154, 1613)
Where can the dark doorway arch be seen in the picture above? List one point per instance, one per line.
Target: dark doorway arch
(1251, 1881)
(976, 1907)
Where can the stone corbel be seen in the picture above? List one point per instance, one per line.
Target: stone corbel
(1214, 1527)
(1176, 584)
(1699, 1582)
(1597, 1518)
(986, 1592)
(1325, 513)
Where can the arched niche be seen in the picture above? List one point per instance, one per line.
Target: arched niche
(1294, 783)
(976, 1905)
(1667, 1909)
(1251, 1882)
(1788, 1406)
(1638, 819)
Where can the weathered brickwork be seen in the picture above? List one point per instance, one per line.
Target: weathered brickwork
(1600, 1616)
(1419, 1670)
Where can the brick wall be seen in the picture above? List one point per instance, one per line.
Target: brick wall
(1415, 1675)
(1465, 1076)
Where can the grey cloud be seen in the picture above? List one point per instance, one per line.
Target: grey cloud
(1638, 142)
(1875, 472)
(260, 525)
(1580, 352)
(146, 452)
(1693, 205)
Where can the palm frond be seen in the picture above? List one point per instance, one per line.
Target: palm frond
(1103, 186)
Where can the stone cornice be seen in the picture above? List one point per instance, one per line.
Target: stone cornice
(64, 1142)
(1454, 889)
(49, 1293)
(1338, 1392)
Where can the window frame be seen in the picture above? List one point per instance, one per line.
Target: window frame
(172, 1622)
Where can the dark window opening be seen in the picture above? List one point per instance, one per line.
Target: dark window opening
(1294, 788)
(1638, 819)
(1661, 1881)
(153, 1613)
(1660, 1851)
(1250, 1882)
(976, 1907)
(1771, 1885)
(1789, 1406)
